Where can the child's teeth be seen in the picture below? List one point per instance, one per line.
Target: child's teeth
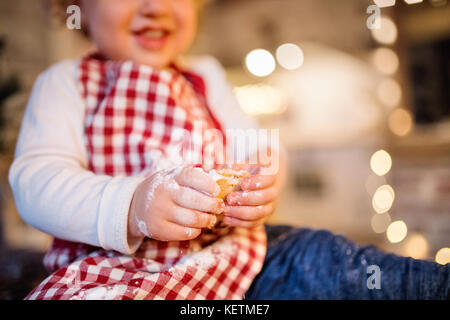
(154, 33)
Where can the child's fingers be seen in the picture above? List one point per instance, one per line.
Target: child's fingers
(197, 179)
(208, 165)
(175, 232)
(249, 213)
(239, 166)
(191, 218)
(192, 199)
(252, 168)
(235, 222)
(258, 182)
(252, 198)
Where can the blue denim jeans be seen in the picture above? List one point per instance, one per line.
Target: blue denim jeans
(315, 264)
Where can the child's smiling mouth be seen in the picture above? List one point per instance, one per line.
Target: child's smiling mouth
(152, 38)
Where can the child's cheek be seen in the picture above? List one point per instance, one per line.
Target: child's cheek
(186, 16)
(108, 24)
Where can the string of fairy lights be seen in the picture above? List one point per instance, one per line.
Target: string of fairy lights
(400, 123)
(265, 99)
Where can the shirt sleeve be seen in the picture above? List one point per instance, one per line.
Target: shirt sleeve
(52, 187)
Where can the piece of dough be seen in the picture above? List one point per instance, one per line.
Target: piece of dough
(228, 180)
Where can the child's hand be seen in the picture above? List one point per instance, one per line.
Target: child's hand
(255, 203)
(259, 196)
(175, 205)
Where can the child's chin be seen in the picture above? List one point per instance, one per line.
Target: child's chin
(153, 59)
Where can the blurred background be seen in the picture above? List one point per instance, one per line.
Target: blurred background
(364, 114)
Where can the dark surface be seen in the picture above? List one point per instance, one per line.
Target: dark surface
(430, 72)
(20, 272)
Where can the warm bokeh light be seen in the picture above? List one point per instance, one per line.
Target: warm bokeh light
(260, 62)
(381, 162)
(416, 246)
(380, 222)
(384, 3)
(290, 56)
(396, 231)
(260, 99)
(383, 199)
(389, 92)
(385, 60)
(443, 256)
(387, 33)
(400, 122)
(413, 1)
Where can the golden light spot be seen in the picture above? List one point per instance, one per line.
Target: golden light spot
(260, 62)
(385, 60)
(413, 1)
(383, 199)
(443, 256)
(387, 33)
(381, 162)
(416, 246)
(290, 56)
(397, 231)
(260, 99)
(400, 122)
(384, 3)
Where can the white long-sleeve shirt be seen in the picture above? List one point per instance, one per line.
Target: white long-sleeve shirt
(52, 187)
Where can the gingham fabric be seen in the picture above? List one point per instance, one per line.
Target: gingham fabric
(131, 113)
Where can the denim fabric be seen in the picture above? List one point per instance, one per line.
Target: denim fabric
(315, 264)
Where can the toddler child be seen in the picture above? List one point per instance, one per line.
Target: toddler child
(98, 167)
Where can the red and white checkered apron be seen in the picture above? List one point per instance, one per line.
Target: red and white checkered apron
(131, 111)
